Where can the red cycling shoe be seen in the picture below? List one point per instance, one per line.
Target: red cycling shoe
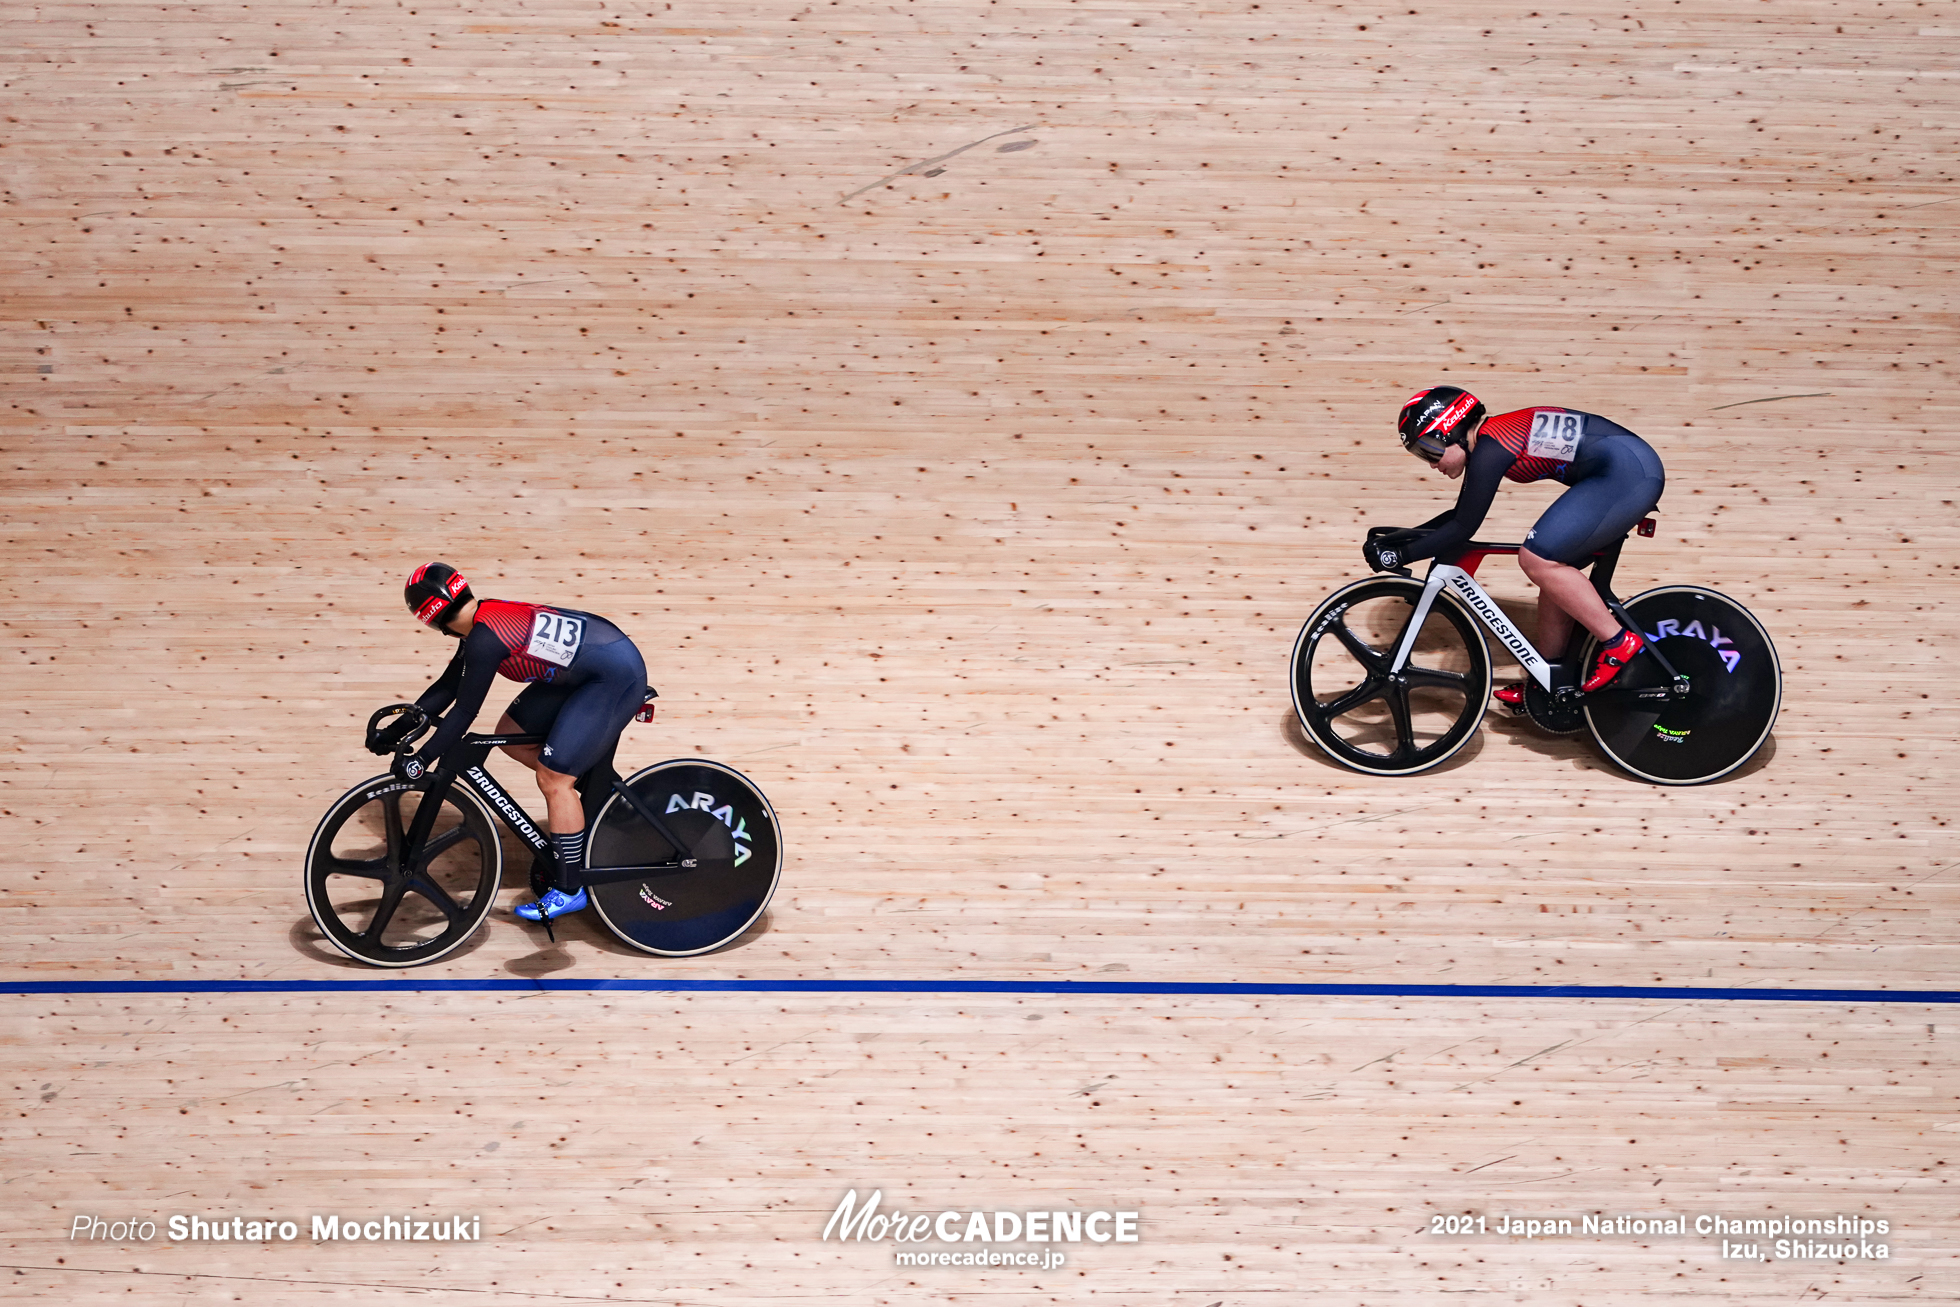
(1511, 696)
(1612, 658)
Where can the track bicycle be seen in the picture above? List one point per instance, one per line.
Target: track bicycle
(1392, 675)
(684, 855)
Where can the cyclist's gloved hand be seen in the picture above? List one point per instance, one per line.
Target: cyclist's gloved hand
(1381, 558)
(407, 767)
(382, 739)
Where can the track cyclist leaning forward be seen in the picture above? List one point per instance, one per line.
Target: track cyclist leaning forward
(1613, 478)
(586, 682)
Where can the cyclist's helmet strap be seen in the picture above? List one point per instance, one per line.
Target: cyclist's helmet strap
(435, 592)
(1437, 418)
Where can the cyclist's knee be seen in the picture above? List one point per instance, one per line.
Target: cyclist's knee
(554, 782)
(1537, 566)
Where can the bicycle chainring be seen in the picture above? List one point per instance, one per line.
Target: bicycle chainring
(1550, 717)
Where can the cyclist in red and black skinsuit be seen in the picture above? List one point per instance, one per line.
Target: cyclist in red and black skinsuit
(1614, 479)
(585, 682)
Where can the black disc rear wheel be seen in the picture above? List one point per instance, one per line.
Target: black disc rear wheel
(377, 906)
(1735, 687)
(731, 834)
(1390, 724)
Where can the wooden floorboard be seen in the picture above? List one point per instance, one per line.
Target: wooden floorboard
(963, 407)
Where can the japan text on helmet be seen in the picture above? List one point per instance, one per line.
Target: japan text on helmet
(435, 592)
(1437, 418)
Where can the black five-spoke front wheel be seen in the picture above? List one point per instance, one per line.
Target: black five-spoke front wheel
(379, 907)
(1374, 720)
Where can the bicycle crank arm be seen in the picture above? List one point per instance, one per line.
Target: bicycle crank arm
(613, 875)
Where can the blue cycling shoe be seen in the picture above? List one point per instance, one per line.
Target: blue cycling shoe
(555, 903)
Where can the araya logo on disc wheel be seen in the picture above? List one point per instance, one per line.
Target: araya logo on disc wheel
(1716, 640)
(721, 812)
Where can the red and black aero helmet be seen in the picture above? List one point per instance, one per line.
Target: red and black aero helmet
(435, 591)
(1437, 418)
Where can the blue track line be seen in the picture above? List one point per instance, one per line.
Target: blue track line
(1052, 988)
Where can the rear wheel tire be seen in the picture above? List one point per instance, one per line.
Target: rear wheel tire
(732, 835)
(1735, 689)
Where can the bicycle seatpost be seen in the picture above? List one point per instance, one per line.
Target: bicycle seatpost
(1603, 565)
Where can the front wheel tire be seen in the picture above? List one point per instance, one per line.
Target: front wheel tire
(1361, 715)
(378, 907)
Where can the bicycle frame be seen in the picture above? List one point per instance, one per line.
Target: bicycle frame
(1484, 608)
(466, 763)
(1462, 580)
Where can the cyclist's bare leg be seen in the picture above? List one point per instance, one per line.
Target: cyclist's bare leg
(563, 811)
(1565, 594)
(524, 753)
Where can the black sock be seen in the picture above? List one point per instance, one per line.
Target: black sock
(570, 852)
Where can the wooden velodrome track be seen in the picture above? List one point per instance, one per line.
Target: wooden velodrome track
(963, 405)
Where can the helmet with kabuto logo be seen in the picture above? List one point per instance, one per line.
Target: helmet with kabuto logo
(436, 592)
(1437, 418)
